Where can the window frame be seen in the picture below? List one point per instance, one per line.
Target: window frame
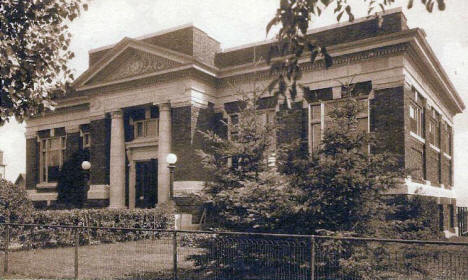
(44, 154)
(86, 140)
(418, 117)
(324, 118)
(270, 116)
(144, 128)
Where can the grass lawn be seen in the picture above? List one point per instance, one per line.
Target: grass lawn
(147, 259)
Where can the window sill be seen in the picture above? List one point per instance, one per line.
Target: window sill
(435, 148)
(46, 185)
(417, 137)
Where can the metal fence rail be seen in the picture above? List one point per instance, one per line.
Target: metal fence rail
(58, 251)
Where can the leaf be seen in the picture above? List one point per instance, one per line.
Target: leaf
(271, 52)
(410, 4)
(85, 6)
(441, 5)
(327, 57)
(338, 17)
(277, 66)
(313, 55)
(293, 91)
(272, 22)
(272, 85)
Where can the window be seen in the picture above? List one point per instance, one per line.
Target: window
(449, 140)
(441, 217)
(146, 128)
(268, 119)
(86, 140)
(434, 133)
(452, 216)
(233, 122)
(52, 151)
(264, 118)
(416, 119)
(319, 120)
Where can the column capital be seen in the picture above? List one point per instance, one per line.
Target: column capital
(164, 106)
(116, 114)
(72, 129)
(30, 134)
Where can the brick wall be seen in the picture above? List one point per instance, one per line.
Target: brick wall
(100, 151)
(32, 163)
(415, 156)
(187, 122)
(432, 166)
(446, 163)
(292, 124)
(181, 142)
(445, 171)
(73, 144)
(387, 117)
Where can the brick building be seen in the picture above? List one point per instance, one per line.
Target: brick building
(143, 98)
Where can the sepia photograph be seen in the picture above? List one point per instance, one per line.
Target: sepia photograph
(222, 139)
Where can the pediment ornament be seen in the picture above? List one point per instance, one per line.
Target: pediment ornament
(133, 63)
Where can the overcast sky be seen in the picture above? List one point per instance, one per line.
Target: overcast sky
(237, 22)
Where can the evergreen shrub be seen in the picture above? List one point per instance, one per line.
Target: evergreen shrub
(161, 218)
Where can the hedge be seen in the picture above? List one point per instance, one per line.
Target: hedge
(45, 237)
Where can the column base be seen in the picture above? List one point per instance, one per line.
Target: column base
(117, 207)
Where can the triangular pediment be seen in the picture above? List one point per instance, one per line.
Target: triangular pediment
(131, 63)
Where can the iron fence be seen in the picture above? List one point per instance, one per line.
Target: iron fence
(58, 251)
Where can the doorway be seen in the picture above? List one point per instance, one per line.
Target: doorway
(146, 183)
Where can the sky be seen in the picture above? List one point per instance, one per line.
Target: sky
(239, 22)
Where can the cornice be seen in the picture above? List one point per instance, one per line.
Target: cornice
(334, 50)
(426, 59)
(306, 66)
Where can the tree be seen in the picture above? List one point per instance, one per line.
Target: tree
(294, 18)
(341, 186)
(71, 185)
(243, 190)
(34, 42)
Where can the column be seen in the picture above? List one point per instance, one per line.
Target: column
(131, 185)
(117, 161)
(164, 148)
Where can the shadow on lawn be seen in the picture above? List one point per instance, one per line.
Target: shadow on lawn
(183, 274)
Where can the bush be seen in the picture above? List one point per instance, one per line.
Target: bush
(14, 204)
(71, 185)
(42, 237)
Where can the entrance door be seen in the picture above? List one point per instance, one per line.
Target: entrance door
(146, 184)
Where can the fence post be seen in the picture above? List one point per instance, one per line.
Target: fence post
(7, 247)
(77, 244)
(174, 253)
(312, 258)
